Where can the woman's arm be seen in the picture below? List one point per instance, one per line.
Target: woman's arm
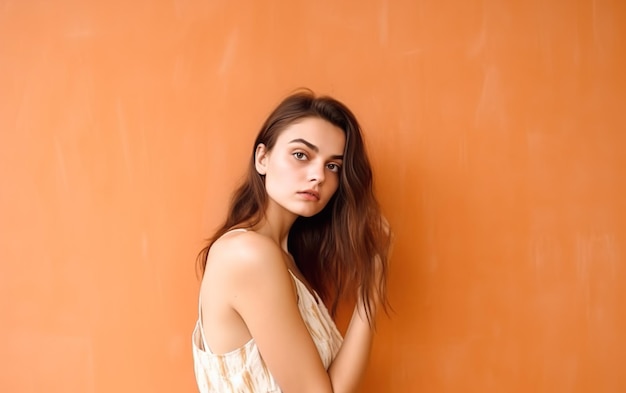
(262, 291)
(347, 369)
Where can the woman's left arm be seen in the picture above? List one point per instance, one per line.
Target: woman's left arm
(351, 361)
(347, 369)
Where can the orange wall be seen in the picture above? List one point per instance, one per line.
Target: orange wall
(497, 130)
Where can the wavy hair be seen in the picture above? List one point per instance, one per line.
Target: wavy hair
(344, 247)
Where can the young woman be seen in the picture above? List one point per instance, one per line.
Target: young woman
(304, 222)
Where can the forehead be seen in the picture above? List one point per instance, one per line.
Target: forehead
(321, 133)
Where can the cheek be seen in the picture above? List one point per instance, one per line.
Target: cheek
(333, 183)
(281, 165)
(280, 174)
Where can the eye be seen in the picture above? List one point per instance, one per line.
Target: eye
(300, 156)
(333, 167)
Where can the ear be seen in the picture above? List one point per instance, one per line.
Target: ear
(260, 159)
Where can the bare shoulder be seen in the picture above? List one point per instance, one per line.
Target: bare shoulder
(244, 256)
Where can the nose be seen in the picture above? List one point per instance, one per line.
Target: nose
(317, 173)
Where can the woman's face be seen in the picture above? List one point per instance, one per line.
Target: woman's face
(302, 170)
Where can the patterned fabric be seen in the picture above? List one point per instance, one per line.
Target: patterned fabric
(243, 369)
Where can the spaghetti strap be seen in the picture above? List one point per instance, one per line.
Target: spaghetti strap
(201, 326)
(236, 230)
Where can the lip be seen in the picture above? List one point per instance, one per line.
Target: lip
(312, 194)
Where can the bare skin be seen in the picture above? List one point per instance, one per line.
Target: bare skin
(247, 291)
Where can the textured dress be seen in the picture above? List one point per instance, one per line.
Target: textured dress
(243, 370)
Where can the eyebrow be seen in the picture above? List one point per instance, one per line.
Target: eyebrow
(314, 148)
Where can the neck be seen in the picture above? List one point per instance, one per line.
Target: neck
(276, 224)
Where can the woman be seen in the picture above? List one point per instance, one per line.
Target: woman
(304, 222)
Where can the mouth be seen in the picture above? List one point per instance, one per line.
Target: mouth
(312, 194)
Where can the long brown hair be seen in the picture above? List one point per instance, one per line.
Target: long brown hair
(337, 249)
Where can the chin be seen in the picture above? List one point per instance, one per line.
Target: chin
(307, 212)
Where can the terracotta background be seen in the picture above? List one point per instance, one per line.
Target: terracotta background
(497, 129)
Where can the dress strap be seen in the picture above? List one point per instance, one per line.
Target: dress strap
(236, 230)
(201, 326)
(303, 289)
